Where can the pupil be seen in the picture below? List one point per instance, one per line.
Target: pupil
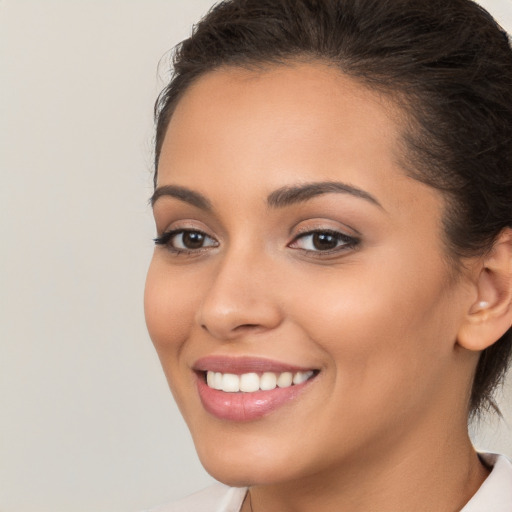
(324, 241)
(193, 240)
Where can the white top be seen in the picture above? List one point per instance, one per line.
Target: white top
(494, 495)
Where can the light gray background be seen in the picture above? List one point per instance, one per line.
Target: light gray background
(86, 420)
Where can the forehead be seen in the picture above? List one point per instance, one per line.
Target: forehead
(311, 91)
(239, 135)
(304, 111)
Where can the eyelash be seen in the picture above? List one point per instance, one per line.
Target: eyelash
(347, 242)
(166, 239)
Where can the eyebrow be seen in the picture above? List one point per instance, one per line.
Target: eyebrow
(287, 196)
(183, 194)
(280, 198)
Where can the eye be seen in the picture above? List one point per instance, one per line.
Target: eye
(185, 240)
(324, 241)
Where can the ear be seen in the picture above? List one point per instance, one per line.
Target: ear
(490, 316)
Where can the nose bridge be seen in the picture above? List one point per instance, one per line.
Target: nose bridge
(239, 296)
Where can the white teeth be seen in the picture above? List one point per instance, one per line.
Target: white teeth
(268, 381)
(301, 377)
(230, 383)
(251, 382)
(285, 380)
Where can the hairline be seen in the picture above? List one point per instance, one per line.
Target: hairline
(399, 106)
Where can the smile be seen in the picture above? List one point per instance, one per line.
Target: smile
(247, 389)
(252, 382)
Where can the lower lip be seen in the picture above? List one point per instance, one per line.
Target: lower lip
(246, 406)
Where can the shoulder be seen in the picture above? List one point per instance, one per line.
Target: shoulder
(216, 498)
(495, 494)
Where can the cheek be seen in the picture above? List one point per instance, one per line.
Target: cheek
(382, 326)
(168, 310)
(169, 307)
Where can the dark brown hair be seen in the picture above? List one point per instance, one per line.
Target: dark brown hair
(447, 63)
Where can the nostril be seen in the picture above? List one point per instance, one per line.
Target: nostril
(224, 333)
(226, 323)
(246, 327)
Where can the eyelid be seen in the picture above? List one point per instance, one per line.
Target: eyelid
(165, 240)
(182, 224)
(347, 241)
(324, 224)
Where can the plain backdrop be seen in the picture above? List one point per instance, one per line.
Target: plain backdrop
(86, 420)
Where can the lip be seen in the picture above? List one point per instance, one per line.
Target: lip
(244, 407)
(244, 364)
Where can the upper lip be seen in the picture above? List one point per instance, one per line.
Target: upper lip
(244, 364)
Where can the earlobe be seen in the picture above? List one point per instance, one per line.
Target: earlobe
(490, 316)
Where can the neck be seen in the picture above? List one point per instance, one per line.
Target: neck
(442, 473)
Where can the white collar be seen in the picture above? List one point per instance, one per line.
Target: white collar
(495, 494)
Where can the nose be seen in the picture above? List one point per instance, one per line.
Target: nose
(240, 299)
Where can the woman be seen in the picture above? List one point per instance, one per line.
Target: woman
(330, 293)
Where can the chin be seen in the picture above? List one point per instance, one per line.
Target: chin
(245, 473)
(241, 461)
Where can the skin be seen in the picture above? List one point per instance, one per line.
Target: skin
(383, 425)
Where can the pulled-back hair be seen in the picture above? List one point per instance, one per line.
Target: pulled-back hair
(447, 63)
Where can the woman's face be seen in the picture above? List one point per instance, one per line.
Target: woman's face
(292, 242)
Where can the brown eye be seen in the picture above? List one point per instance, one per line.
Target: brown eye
(188, 240)
(192, 239)
(182, 240)
(324, 241)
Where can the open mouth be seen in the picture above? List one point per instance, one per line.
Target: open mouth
(246, 388)
(253, 382)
